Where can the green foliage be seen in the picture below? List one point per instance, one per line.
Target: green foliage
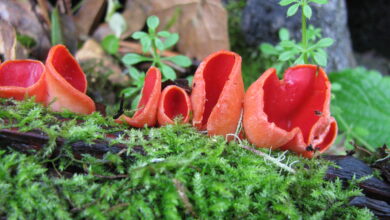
(56, 32)
(110, 44)
(181, 174)
(361, 106)
(135, 87)
(26, 40)
(155, 43)
(311, 49)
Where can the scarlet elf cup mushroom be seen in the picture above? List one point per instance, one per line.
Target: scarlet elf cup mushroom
(292, 113)
(66, 82)
(174, 102)
(23, 78)
(218, 93)
(146, 113)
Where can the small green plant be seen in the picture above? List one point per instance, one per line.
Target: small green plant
(311, 49)
(155, 43)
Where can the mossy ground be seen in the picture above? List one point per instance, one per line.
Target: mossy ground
(184, 174)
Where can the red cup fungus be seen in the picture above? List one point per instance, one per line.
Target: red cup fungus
(218, 93)
(23, 78)
(174, 102)
(66, 83)
(146, 113)
(292, 113)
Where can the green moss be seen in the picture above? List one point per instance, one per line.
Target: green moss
(182, 175)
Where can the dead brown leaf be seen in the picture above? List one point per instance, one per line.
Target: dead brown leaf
(21, 16)
(93, 52)
(88, 15)
(102, 31)
(135, 14)
(68, 31)
(7, 40)
(201, 24)
(9, 46)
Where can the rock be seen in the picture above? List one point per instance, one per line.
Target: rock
(262, 20)
(369, 23)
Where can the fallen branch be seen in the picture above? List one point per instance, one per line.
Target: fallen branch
(35, 141)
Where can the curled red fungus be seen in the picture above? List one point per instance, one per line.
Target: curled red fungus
(146, 113)
(292, 113)
(23, 78)
(218, 93)
(174, 102)
(66, 83)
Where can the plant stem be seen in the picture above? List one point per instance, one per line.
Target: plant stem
(304, 36)
(156, 56)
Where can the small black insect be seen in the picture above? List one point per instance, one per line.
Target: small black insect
(317, 112)
(309, 148)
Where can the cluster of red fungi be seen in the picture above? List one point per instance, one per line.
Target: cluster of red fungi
(288, 114)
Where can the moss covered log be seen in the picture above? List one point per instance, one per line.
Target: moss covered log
(177, 172)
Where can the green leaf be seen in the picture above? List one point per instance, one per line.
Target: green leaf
(110, 44)
(153, 22)
(292, 10)
(180, 60)
(171, 40)
(313, 33)
(287, 55)
(138, 35)
(307, 11)
(130, 91)
(320, 1)
(146, 43)
(300, 60)
(135, 74)
(164, 34)
(268, 49)
(118, 24)
(324, 42)
(364, 100)
(26, 40)
(134, 103)
(288, 44)
(168, 72)
(159, 44)
(284, 34)
(286, 2)
(56, 33)
(133, 58)
(320, 58)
